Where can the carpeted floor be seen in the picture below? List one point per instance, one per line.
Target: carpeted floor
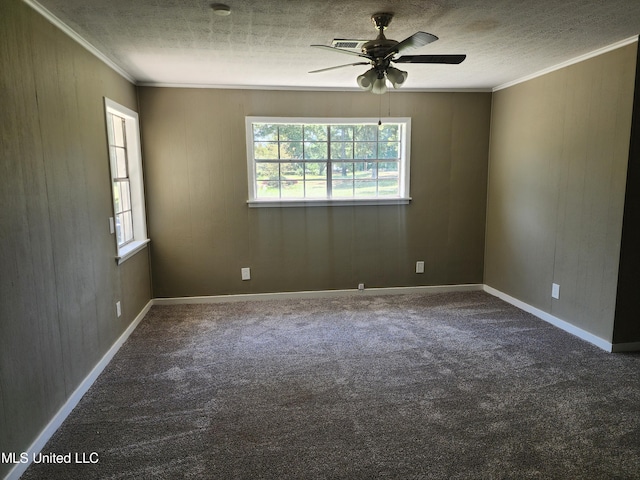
(418, 386)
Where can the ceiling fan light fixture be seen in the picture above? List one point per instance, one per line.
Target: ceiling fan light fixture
(379, 86)
(367, 79)
(396, 77)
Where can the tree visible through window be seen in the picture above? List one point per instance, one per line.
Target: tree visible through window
(327, 160)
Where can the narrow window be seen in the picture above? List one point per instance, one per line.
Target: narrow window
(121, 181)
(129, 223)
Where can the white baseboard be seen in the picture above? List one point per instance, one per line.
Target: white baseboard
(317, 294)
(555, 321)
(63, 413)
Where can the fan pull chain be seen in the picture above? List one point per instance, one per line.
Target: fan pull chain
(388, 108)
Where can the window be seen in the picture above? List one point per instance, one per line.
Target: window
(318, 161)
(128, 222)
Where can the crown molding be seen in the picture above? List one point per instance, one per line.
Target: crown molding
(75, 36)
(573, 61)
(293, 88)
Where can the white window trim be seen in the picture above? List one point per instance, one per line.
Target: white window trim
(404, 179)
(130, 249)
(140, 239)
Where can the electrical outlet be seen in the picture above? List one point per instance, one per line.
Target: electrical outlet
(420, 267)
(118, 309)
(246, 273)
(555, 290)
(361, 286)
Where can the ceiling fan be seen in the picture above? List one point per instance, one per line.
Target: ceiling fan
(381, 52)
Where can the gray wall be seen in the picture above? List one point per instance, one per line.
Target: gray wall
(59, 280)
(203, 231)
(557, 172)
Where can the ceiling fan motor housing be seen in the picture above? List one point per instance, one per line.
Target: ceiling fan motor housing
(381, 46)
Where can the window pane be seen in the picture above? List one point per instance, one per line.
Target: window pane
(342, 188)
(315, 171)
(265, 150)
(267, 171)
(388, 188)
(366, 133)
(266, 189)
(125, 195)
(388, 133)
(364, 170)
(118, 131)
(117, 204)
(342, 170)
(291, 150)
(315, 150)
(342, 150)
(110, 134)
(388, 169)
(265, 131)
(289, 133)
(119, 229)
(388, 150)
(316, 189)
(113, 158)
(365, 150)
(292, 189)
(121, 162)
(124, 228)
(315, 132)
(127, 227)
(341, 133)
(365, 188)
(291, 171)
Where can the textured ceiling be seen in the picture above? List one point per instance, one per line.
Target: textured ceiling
(265, 43)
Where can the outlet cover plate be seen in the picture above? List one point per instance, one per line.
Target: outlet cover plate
(246, 273)
(555, 290)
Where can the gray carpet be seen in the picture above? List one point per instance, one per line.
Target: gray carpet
(435, 386)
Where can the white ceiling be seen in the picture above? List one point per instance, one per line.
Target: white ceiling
(265, 43)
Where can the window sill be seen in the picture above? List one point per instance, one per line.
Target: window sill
(130, 250)
(323, 202)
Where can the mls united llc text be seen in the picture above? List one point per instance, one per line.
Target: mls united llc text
(24, 457)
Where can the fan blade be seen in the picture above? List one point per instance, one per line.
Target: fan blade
(340, 50)
(448, 59)
(418, 39)
(340, 66)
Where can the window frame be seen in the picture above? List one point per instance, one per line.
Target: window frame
(403, 197)
(134, 176)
